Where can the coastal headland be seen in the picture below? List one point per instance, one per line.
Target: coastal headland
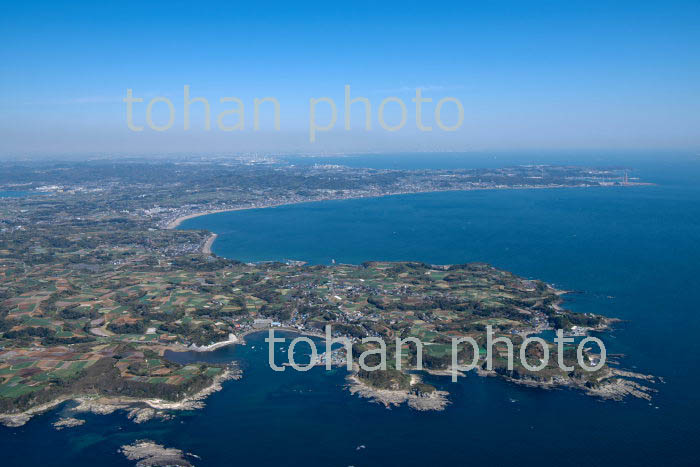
(91, 298)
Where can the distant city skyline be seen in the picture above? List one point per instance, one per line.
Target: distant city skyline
(530, 75)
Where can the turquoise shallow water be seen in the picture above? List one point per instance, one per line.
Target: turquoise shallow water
(631, 253)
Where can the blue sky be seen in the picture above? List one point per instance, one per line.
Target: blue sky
(531, 75)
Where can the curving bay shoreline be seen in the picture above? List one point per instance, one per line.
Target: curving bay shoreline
(175, 223)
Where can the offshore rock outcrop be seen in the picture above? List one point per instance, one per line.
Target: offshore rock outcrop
(149, 454)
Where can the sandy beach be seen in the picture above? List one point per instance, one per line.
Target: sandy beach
(206, 248)
(175, 223)
(232, 339)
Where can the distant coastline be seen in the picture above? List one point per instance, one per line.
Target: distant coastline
(209, 243)
(175, 223)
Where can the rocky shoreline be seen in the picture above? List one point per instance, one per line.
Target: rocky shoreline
(149, 454)
(144, 409)
(19, 419)
(617, 385)
(139, 410)
(67, 422)
(621, 385)
(434, 401)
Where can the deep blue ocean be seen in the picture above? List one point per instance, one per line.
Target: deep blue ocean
(13, 194)
(631, 253)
